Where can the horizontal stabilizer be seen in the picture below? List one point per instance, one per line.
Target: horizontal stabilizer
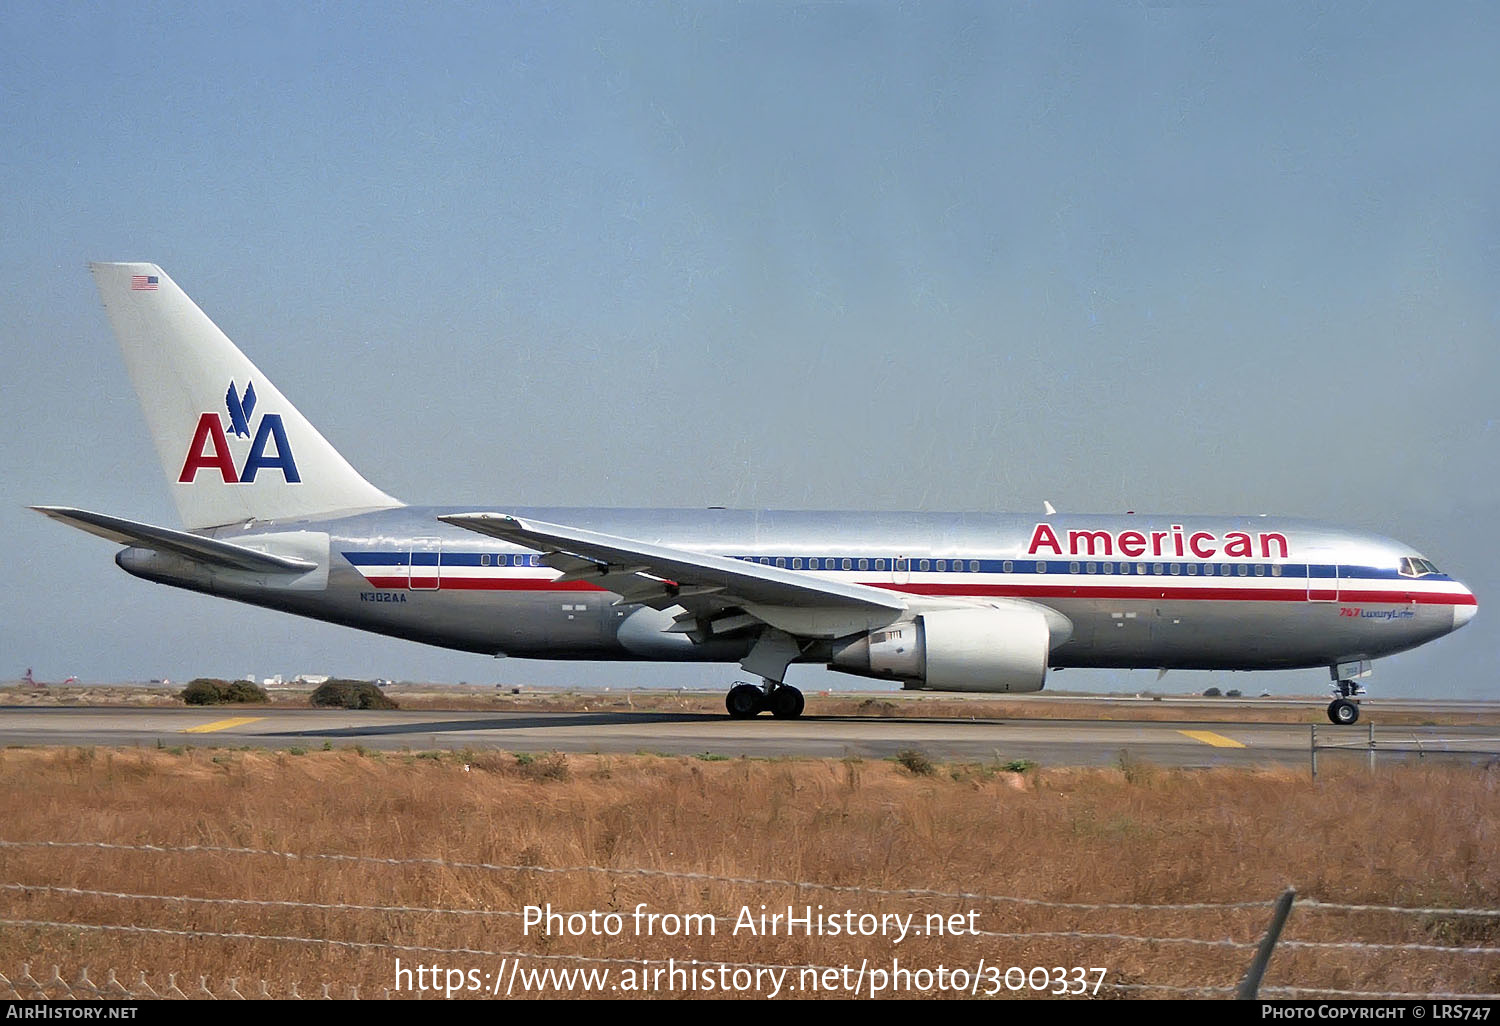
(162, 539)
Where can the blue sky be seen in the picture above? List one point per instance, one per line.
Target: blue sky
(937, 256)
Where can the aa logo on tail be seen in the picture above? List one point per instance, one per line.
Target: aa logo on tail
(209, 449)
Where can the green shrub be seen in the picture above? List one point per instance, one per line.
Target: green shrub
(552, 766)
(205, 691)
(916, 762)
(351, 694)
(246, 691)
(212, 691)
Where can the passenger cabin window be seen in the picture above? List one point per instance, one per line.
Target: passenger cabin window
(847, 566)
(942, 565)
(1008, 566)
(880, 564)
(781, 562)
(864, 564)
(924, 565)
(797, 563)
(974, 566)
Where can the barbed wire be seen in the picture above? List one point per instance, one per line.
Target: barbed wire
(331, 906)
(434, 950)
(1388, 995)
(383, 945)
(1386, 946)
(1314, 904)
(112, 986)
(27, 987)
(717, 919)
(57, 988)
(1080, 935)
(1169, 988)
(670, 874)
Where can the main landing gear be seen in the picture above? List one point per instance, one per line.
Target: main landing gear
(782, 700)
(1344, 710)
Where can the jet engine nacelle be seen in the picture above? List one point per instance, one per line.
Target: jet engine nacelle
(1000, 648)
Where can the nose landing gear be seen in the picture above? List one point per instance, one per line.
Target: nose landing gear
(1344, 710)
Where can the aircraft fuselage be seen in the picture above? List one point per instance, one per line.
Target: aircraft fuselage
(1140, 591)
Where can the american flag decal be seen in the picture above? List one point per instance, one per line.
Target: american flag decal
(143, 283)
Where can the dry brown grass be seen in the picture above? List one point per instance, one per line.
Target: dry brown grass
(1139, 834)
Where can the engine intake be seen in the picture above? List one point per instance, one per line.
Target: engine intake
(1000, 648)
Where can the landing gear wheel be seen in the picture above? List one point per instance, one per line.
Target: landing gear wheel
(744, 701)
(787, 703)
(1342, 711)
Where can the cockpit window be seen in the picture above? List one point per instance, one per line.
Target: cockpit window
(1411, 566)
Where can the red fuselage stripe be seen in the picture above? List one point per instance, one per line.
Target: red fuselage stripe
(1064, 591)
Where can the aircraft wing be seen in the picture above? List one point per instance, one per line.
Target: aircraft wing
(717, 592)
(164, 539)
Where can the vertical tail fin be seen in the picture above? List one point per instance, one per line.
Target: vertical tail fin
(233, 448)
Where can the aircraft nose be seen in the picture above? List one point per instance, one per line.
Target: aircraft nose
(1462, 614)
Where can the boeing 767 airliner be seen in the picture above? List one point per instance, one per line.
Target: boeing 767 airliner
(274, 516)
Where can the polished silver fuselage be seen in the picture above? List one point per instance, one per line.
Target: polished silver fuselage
(1313, 595)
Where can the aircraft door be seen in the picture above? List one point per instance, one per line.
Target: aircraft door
(903, 565)
(425, 564)
(1322, 582)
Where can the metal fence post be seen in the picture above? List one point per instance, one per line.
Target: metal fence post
(1372, 748)
(1312, 750)
(1250, 986)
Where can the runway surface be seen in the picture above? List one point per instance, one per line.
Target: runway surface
(1045, 742)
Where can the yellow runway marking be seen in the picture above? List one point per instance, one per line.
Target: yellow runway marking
(1208, 737)
(209, 728)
